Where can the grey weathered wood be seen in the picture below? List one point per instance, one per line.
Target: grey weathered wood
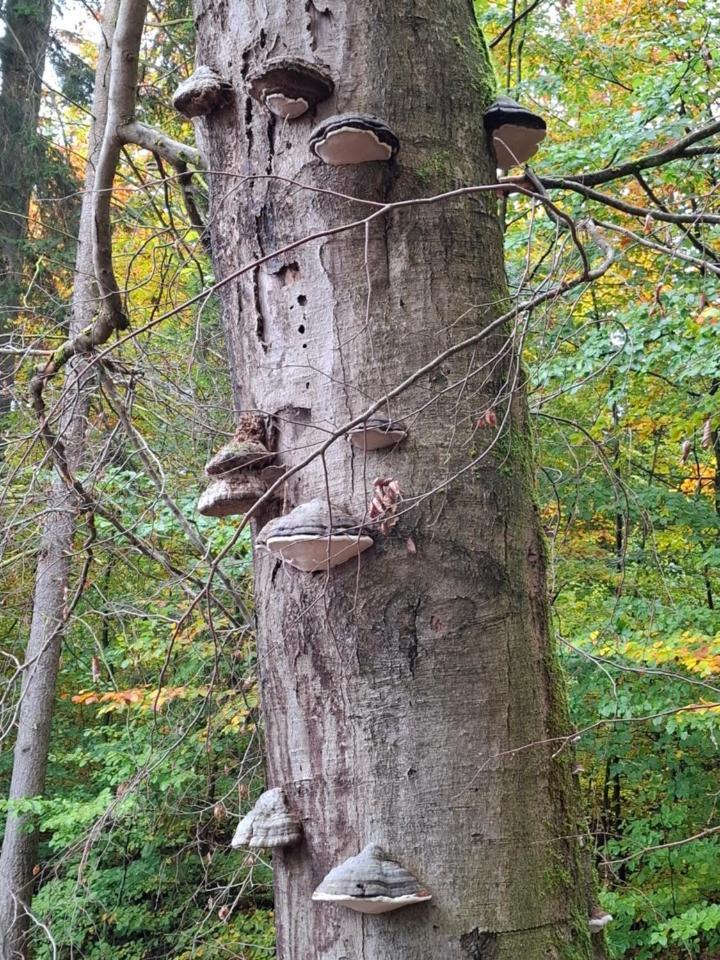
(393, 688)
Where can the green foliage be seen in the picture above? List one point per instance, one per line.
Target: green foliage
(622, 374)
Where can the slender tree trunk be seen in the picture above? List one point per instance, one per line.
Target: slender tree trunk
(42, 657)
(400, 695)
(22, 61)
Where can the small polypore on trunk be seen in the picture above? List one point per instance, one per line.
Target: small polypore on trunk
(270, 824)
(312, 537)
(353, 138)
(599, 919)
(289, 87)
(515, 132)
(371, 883)
(376, 432)
(204, 92)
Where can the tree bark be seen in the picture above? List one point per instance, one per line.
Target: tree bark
(399, 694)
(22, 59)
(42, 656)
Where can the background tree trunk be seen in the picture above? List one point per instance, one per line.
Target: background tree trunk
(22, 61)
(392, 692)
(52, 578)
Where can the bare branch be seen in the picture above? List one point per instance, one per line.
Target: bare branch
(680, 150)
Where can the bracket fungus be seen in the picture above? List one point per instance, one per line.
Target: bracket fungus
(202, 93)
(376, 432)
(371, 883)
(270, 824)
(312, 538)
(514, 131)
(289, 87)
(247, 449)
(232, 494)
(599, 918)
(353, 138)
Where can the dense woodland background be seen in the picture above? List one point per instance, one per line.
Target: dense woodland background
(157, 744)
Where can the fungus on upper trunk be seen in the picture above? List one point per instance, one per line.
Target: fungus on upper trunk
(353, 138)
(371, 883)
(204, 92)
(514, 131)
(289, 87)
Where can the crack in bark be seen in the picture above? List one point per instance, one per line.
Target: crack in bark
(259, 314)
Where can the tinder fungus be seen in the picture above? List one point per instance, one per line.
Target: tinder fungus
(232, 494)
(353, 138)
(247, 449)
(202, 93)
(371, 883)
(599, 918)
(289, 87)
(312, 537)
(376, 432)
(515, 132)
(269, 824)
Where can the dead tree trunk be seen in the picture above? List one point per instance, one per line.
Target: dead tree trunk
(52, 577)
(400, 695)
(22, 58)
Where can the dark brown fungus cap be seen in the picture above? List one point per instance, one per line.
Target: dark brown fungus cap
(353, 138)
(514, 131)
(289, 87)
(202, 93)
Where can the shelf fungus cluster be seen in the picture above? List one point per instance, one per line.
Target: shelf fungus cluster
(371, 883)
(376, 432)
(353, 138)
(289, 87)
(269, 825)
(315, 537)
(240, 472)
(202, 93)
(515, 132)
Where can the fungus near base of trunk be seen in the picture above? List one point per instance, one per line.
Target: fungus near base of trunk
(353, 138)
(371, 883)
(599, 919)
(312, 537)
